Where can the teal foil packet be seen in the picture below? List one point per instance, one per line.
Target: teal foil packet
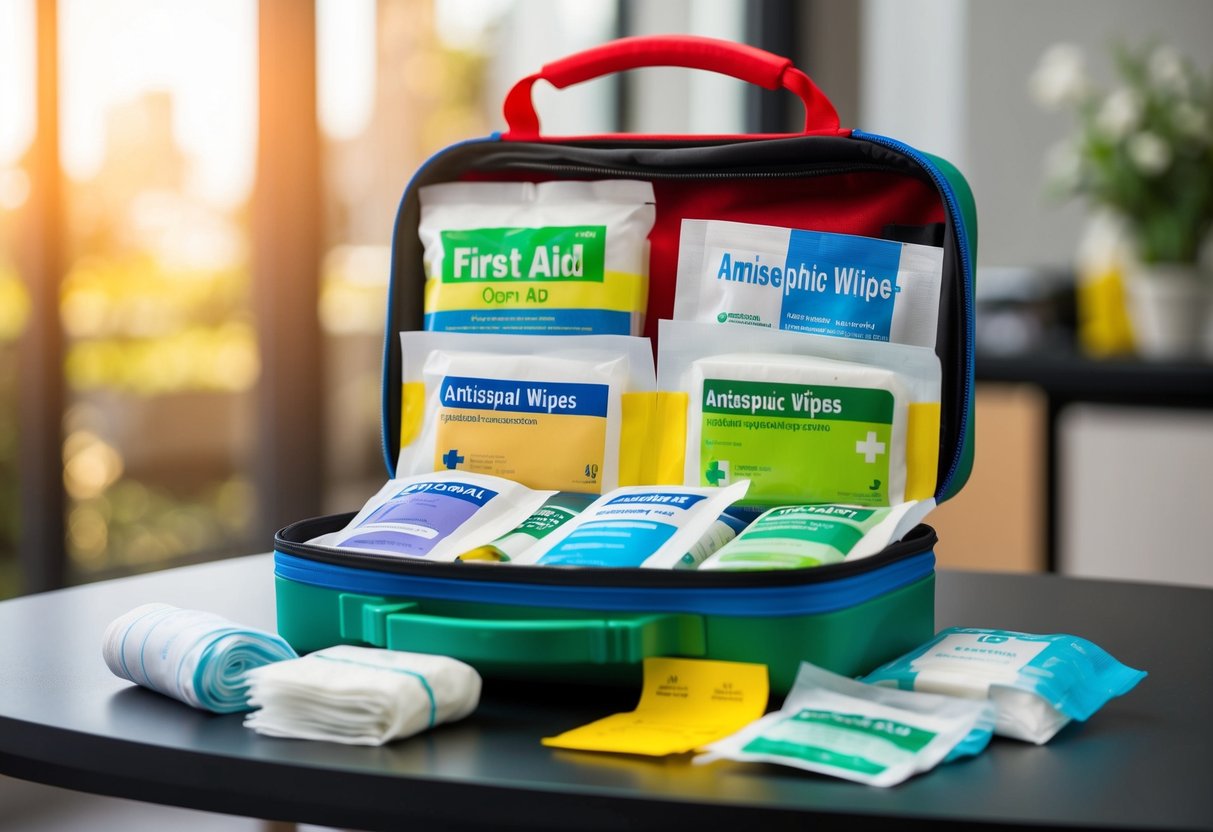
(1038, 683)
(800, 537)
(833, 725)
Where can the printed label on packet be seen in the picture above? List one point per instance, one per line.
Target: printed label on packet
(521, 427)
(839, 285)
(684, 704)
(784, 530)
(792, 440)
(422, 515)
(546, 258)
(554, 253)
(992, 658)
(625, 532)
(852, 742)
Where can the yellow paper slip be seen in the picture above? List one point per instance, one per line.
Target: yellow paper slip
(684, 704)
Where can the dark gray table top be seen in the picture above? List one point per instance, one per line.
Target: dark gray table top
(1145, 761)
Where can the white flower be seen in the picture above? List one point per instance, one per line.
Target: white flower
(1063, 165)
(1120, 113)
(1166, 70)
(1150, 153)
(1190, 120)
(1060, 78)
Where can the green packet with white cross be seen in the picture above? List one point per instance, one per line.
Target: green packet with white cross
(805, 418)
(801, 537)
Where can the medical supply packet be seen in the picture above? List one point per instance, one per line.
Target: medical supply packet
(799, 537)
(557, 510)
(840, 285)
(197, 657)
(546, 411)
(684, 704)
(436, 516)
(1037, 683)
(651, 526)
(807, 419)
(834, 725)
(548, 258)
(725, 529)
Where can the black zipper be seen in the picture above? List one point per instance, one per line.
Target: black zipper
(649, 173)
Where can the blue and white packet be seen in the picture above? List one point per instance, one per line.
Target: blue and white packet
(870, 734)
(196, 657)
(838, 285)
(1038, 683)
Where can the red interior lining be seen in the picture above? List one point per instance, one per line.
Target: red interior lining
(852, 203)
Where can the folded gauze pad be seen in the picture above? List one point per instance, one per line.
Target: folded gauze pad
(197, 657)
(781, 410)
(553, 258)
(360, 695)
(1037, 683)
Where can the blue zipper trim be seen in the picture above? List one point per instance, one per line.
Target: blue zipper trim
(949, 196)
(384, 409)
(743, 602)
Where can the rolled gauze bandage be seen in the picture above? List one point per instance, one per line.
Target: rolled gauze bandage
(197, 657)
(360, 695)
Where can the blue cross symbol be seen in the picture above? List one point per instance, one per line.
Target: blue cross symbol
(451, 459)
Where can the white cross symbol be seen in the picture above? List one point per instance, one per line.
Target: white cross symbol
(869, 447)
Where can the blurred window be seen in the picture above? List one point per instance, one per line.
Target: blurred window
(398, 81)
(158, 119)
(157, 147)
(16, 134)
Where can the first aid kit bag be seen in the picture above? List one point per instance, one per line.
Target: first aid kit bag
(664, 317)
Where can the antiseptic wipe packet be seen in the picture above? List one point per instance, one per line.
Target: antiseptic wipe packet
(652, 526)
(557, 510)
(837, 726)
(799, 537)
(806, 419)
(436, 516)
(1037, 683)
(553, 258)
(808, 281)
(546, 411)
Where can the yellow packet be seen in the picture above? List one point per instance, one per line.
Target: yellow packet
(684, 704)
(546, 411)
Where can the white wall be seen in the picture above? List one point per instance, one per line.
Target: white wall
(951, 76)
(1135, 489)
(912, 75)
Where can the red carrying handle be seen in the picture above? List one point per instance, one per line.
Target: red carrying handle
(746, 63)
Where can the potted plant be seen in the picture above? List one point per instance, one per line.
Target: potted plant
(1144, 150)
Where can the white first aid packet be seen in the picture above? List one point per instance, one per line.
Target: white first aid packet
(436, 516)
(880, 736)
(360, 695)
(839, 285)
(1037, 683)
(547, 411)
(806, 419)
(650, 526)
(546, 258)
